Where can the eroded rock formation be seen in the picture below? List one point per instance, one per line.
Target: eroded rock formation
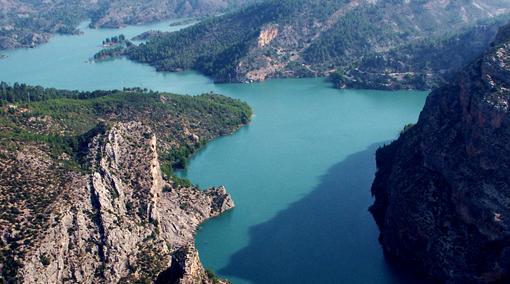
(121, 222)
(443, 188)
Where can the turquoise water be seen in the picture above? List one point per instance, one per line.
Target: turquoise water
(300, 173)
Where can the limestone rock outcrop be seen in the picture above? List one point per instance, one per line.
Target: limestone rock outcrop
(121, 222)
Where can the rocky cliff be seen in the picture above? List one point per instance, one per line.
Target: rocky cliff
(121, 222)
(104, 210)
(443, 189)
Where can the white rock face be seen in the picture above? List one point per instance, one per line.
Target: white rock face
(117, 224)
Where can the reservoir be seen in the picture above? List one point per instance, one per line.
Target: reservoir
(300, 173)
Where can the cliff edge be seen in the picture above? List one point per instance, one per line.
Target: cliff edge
(87, 190)
(443, 188)
(121, 223)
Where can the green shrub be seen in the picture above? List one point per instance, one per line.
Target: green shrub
(406, 128)
(212, 276)
(44, 260)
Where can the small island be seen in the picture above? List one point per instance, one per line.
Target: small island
(112, 47)
(2, 56)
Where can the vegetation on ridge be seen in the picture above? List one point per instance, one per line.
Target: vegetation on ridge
(305, 38)
(58, 126)
(61, 117)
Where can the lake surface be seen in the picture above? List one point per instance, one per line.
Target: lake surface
(300, 173)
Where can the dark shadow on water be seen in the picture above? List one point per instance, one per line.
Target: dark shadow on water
(326, 237)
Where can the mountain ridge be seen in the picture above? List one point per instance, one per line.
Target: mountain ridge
(308, 39)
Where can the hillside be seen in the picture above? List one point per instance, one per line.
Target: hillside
(87, 191)
(424, 64)
(32, 22)
(115, 14)
(442, 189)
(301, 38)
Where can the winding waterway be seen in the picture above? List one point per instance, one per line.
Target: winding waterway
(300, 173)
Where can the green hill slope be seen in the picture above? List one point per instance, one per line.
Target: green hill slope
(295, 38)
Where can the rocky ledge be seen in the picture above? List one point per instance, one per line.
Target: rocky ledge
(443, 188)
(121, 222)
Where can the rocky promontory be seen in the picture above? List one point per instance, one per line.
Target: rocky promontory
(87, 191)
(443, 188)
(122, 222)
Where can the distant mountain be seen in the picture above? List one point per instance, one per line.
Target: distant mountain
(28, 23)
(443, 188)
(297, 38)
(119, 13)
(31, 22)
